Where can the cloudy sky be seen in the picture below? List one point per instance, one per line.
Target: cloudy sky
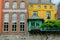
(56, 2)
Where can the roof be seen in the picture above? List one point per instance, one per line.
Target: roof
(40, 1)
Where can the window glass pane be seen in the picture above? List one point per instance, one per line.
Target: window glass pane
(5, 26)
(22, 26)
(37, 24)
(35, 14)
(48, 15)
(6, 4)
(14, 4)
(14, 17)
(31, 6)
(45, 7)
(6, 17)
(39, 6)
(32, 23)
(22, 4)
(13, 26)
(22, 17)
(50, 7)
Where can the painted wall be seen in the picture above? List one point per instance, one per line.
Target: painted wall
(42, 11)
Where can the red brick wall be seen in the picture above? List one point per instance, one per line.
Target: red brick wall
(10, 18)
(1, 6)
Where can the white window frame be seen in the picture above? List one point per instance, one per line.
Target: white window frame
(6, 4)
(6, 17)
(14, 5)
(22, 24)
(22, 4)
(14, 17)
(22, 17)
(6, 25)
(14, 26)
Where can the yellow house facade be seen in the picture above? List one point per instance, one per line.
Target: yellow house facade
(43, 10)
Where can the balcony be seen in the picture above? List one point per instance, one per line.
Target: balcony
(35, 28)
(50, 28)
(34, 24)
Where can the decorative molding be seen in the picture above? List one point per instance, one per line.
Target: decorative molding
(9, 10)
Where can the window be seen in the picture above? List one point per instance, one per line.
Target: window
(31, 6)
(32, 23)
(39, 7)
(6, 4)
(21, 26)
(48, 15)
(6, 17)
(22, 17)
(14, 4)
(35, 14)
(13, 26)
(14, 17)
(50, 7)
(37, 24)
(6, 26)
(45, 7)
(22, 4)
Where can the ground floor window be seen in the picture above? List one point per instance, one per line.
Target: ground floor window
(22, 26)
(5, 26)
(13, 26)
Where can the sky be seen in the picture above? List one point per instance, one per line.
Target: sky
(56, 2)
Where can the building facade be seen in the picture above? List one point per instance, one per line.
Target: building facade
(14, 19)
(18, 17)
(58, 12)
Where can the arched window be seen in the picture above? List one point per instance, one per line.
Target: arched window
(14, 17)
(6, 17)
(22, 17)
(22, 4)
(6, 4)
(14, 4)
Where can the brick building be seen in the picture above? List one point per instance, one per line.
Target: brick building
(58, 12)
(14, 19)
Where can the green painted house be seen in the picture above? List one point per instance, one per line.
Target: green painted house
(35, 22)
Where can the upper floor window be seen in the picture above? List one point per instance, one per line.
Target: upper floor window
(39, 6)
(45, 7)
(6, 4)
(6, 17)
(22, 17)
(31, 6)
(14, 4)
(35, 13)
(48, 15)
(22, 4)
(50, 7)
(14, 17)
